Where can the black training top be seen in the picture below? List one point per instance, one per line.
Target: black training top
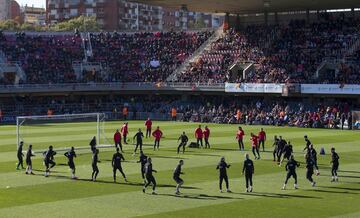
(184, 138)
(49, 155)
(312, 152)
(335, 158)
(29, 154)
(143, 159)
(148, 169)
(308, 143)
(139, 136)
(248, 166)
(92, 143)
(117, 158)
(281, 144)
(288, 150)
(291, 165)
(19, 151)
(310, 164)
(70, 155)
(222, 167)
(177, 171)
(95, 159)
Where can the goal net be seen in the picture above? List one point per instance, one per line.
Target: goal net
(355, 120)
(62, 131)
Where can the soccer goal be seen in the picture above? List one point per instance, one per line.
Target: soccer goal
(62, 131)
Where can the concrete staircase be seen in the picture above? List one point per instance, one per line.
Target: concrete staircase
(353, 47)
(205, 46)
(11, 67)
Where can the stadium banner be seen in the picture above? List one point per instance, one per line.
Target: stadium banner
(330, 89)
(254, 87)
(8, 120)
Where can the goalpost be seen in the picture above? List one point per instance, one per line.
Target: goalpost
(79, 127)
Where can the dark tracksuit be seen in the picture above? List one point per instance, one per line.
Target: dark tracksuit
(309, 169)
(291, 169)
(95, 160)
(49, 159)
(313, 154)
(248, 169)
(280, 149)
(149, 176)
(92, 145)
(176, 175)
(335, 163)
(184, 139)
(308, 143)
(70, 155)
(143, 161)
(276, 145)
(223, 174)
(20, 157)
(139, 136)
(116, 164)
(29, 154)
(287, 151)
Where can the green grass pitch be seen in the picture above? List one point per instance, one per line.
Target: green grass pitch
(58, 196)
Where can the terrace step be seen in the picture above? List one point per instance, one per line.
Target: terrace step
(204, 47)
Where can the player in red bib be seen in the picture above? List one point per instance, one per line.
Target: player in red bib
(125, 131)
(157, 135)
(199, 136)
(262, 138)
(206, 134)
(117, 140)
(148, 124)
(254, 145)
(239, 136)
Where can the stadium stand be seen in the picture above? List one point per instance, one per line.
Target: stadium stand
(138, 57)
(292, 55)
(216, 109)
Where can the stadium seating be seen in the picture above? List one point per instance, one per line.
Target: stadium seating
(281, 54)
(128, 57)
(44, 58)
(144, 57)
(284, 53)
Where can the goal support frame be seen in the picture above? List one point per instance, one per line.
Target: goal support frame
(20, 120)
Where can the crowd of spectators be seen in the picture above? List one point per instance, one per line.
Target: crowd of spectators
(44, 58)
(216, 109)
(282, 53)
(138, 57)
(144, 57)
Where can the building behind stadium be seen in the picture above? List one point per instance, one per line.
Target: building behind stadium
(123, 15)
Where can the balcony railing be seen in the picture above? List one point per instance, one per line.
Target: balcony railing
(116, 86)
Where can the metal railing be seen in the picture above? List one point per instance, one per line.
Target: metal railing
(116, 86)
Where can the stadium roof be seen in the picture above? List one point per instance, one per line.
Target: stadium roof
(255, 6)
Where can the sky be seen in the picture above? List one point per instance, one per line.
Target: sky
(36, 3)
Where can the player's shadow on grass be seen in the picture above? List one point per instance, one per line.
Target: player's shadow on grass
(168, 157)
(334, 192)
(341, 188)
(224, 149)
(276, 195)
(51, 171)
(348, 171)
(346, 176)
(206, 155)
(200, 196)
